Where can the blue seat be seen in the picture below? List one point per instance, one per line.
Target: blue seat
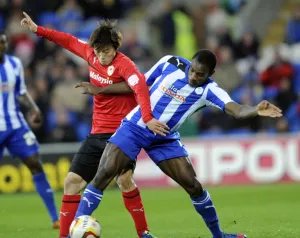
(48, 18)
(82, 130)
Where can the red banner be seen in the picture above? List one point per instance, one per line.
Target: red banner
(256, 160)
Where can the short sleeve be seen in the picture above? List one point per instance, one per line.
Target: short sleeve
(217, 97)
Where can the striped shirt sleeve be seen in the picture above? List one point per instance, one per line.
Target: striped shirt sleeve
(23, 88)
(217, 97)
(156, 70)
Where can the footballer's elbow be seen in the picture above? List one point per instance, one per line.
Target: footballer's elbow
(238, 116)
(234, 110)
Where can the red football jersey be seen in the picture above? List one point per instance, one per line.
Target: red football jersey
(109, 109)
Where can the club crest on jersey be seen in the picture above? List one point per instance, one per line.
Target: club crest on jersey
(110, 70)
(199, 90)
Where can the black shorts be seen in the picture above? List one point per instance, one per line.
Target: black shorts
(86, 161)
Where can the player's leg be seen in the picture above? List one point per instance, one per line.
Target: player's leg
(133, 201)
(181, 170)
(24, 145)
(112, 163)
(122, 148)
(42, 186)
(83, 168)
(73, 183)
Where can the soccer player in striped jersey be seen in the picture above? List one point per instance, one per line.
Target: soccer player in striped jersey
(178, 88)
(15, 134)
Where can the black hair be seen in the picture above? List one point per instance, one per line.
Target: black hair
(106, 34)
(208, 58)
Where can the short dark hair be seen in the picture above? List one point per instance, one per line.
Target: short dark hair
(106, 34)
(206, 57)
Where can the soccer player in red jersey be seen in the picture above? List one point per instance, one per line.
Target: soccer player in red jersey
(107, 66)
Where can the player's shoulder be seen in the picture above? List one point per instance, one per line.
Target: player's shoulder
(122, 59)
(212, 83)
(186, 61)
(214, 87)
(166, 58)
(14, 59)
(178, 62)
(171, 58)
(89, 49)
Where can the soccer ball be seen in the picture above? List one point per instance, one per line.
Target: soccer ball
(85, 227)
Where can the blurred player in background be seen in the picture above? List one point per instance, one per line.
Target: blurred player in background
(106, 66)
(15, 134)
(178, 88)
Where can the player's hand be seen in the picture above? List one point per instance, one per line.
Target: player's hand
(158, 127)
(88, 88)
(28, 22)
(267, 109)
(35, 118)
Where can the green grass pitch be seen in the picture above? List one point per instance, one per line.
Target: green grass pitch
(259, 211)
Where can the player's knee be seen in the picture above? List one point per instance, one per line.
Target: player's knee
(34, 164)
(196, 190)
(73, 183)
(125, 181)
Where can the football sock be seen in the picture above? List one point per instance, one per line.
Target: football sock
(45, 191)
(205, 207)
(90, 200)
(134, 205)
(68, 210)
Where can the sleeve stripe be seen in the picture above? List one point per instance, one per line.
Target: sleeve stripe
(217, 97)
(156, 70)
(153, 73)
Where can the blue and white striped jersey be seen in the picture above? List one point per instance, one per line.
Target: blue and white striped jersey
(173, 100)
(12, 85)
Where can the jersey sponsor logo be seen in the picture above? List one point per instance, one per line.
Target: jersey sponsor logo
(6, 87)
(110, 70)
(173, 92)
(100, 79)
(133, 80)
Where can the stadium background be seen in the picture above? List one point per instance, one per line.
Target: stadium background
(258, 47)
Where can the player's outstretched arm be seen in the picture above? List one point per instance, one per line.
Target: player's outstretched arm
(116, 88)
(35, 116)
(65, 40)
(264, 108)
